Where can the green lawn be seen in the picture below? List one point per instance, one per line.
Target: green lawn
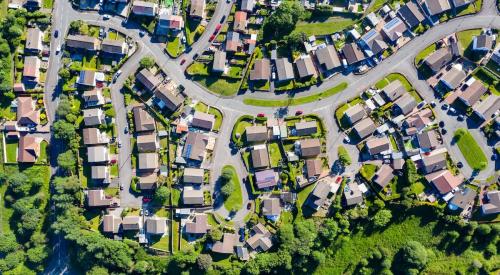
(295, 101)
(3, 8)
(465, 40)
(274, 154)
(423, 54)
(326, 26)
(175, 229)
(47, 4)
(162, 243)
(471, 151)
(175, 196)
(303, 194)
(396, 76)
(218, 117)
(174, 46)
(235, 200)
(218, 85)
(43, 153)
(367, 171)
(11, 150)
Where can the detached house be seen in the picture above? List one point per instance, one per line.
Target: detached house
(435, 7)
(256, 133)
(271, 208)
(305, 67)
(29, 149)
(373, 43)
(352, 53)
(166, 98)
(493, 204)
(284, 69)
(405, 104)
(261, 70)
(394, 29)
(378, 145)
(219, 62)
(473, 92)
(233, 42)
(318, 196)
(98, 154)
(194, 148)
(198, 226)
(114, 47)
(438, 59)
(147, 142)
(147, 80)
(354, 114)
(197, 9)
(310, 147)
(328, 58)
(411, 14)
(31, 70)
(168, 21)
(266, 179)
(82, 42)
(384, 176)
(364, 128)
(393, 90)
(94, 136)
(482, 42)
(34, 40)
(193, 175)
(203, 120)
(192, 196)
(93, 117)
(143, 8)
(453, 77)
(444, 180)
(86, 79)
(247, 5)
(143, 121)
(156, 225)
(240, 21)
(93, 98)
(27, 115)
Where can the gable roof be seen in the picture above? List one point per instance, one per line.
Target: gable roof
(394, 90)
(438, 59)
(82, 42)
(147, 79)
(473, 93)
(328, 57)
(195, 145)
(156, 225)
(411, 14)
(26, 112)
(260, 158)
(271, 207)
(261, 69)
(203, 120)
(310, 147)
(29, 149)
(266, 178)
(384, 175)
(199, 225)
(352, 53)
(365, 128)
(305, 66)
(143, 121)
(284, 69)
(197, 8)
(444, 180)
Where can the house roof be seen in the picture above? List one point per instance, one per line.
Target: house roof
(464, 198)
(226, 246)
(147, 142)
(394, 90)
(199, 225)
(93, 116)
(147, 79)
(97, 198)
(144, 8)
(261, 229)
(259, 241)
(261, 70)
(313, 167)
(374, 41)
(444, 180)
(493, 205)
(365, 127)
(113, 46)
(305, 66)
(167, 94)
(437, 6)
(284, 69)
(434, 162)
(197, 8)
(232, 41)
(97, 154)
(482, 41)
(256, 133)
(438, 59)
(148, 161)
(31, 67)
(87, 78)
(260, 158)
(193, 175)
(34, 39)
(355, 113)
(240, 21)
(131, 223)
(82, 42)
(93, 136)
(487, 107)
(143, 121)
(111, 223)
(99, 172)
(203, 120)
(247, 5)
(219, 62)
(384, 175)
(397, 164)
(147, 179)
(26, 112)
(266, 178)
(192, 196)
(328, 57)
(378, 145)
(454, 77)
(306, 128)
(156, 225)
(459, 3)
(29, 149)
(473, 93)
(310, 147)
(427, 139)
(319, 194)
(271, 207)
(406, 103)
(411, 14)
(352, 53)
(394, 29)
(195, 146)
(353, 194)
(93, 96)
(420, 119)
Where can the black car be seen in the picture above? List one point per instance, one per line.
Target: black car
(56, 33)
(441, 124)
(460, 164)
(222, 19)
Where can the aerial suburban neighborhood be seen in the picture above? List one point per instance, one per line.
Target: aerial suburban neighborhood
(249, 137)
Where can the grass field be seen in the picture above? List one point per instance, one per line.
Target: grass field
(367, 171)
(465, 42)
(3, 8)
(274, 154)
(174, 46)
(325, 26)
(296, 101)
(235, 200)
(471, 151)
(221, 86)
(11, 150)
(218, 117)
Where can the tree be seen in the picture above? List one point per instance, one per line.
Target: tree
(162, 194)
(37, 255)
(204, 262)
(318, 257)
(98, 270)
(382, 218)
(147, 62)
(329, 230)
(64, 73)
(75, 25)
(19, 184)
(483, 230)
(490, 250)
(282, 21)
(215, 234)
(227, 189)
(295, 41)
(64, 130)
(344, 157)
(8, 243)
(410, 172)
(413, 256)
(141, 267)
(67, 161)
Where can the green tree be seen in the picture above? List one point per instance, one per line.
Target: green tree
(283, 20)
(344, 157)
(36, 256)
(64, 130)
(8, 243)
(67, 161)
(19, 184)
(162, 195)
(382, 218)
(98, 270)
(64, 74)
(204, 262)
(215, 234)
(147, 62)
(329, 230)
(413, 256)
(410, 172)
(227, 189)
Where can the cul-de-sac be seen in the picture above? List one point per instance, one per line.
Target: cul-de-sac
(249, 137)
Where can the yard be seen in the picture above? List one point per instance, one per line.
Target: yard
(218, 85)
(465, 43)
(396, 76)
(239, 127)
(46, 4)
(218, 117)
(274, 154)
(292, 101)
(11, 150)
(235, 201)
(324, 25)
(367, 171)
(423, 54)
(471, 151)
(174, 47)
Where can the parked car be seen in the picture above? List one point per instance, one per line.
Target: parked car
(452, 110)
(241, 232)
(146, 212)
(142, 33)
(195, 56)
(460, 164)
(183, 40)
(249, 205)
(141, 212)
(56, 33)
(421, 104)
(212, 37)
(298, 113)
(121, 186)
(106, 17)
(441, 124)
(445, 106)
(433, 104)
(443, 131)
(119, 144)
(217, 29)
(222, 19)
(58, 49)
(146, 200)
(183, 61)
(347, 139)
(461, 117)
(261, 115)
(125, 130)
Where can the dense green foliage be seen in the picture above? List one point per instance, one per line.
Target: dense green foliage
(282, 21)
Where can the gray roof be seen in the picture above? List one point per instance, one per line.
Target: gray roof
(256, 133)
(384, 175)
(143, 121)
(486, 108)
(438, 59)
(427, 139)
(355, 113)
(193, 175)
(453, 77)
(195, 145)
(172, 101)
(148, 161)
(82, 42)
(464, 198)
(310, 147)
(305, 66)
(34, 39)
(434, 162)
(473, 93)
(284, 69)
(328, 57)
(319, 194)
(377, 145)
(394, 29)
(247, 5)
(374, 41)
(411, 14)
(394, 90)
(482, 41)
(304, 128)
(219, 61)
(352, 53)
(260, 158)
(113, 46)
(147, 79)
(352, 194)
(365, 128)
(437, 6)
(261, 70)
(203, 120)
(192, 196)
(405, 104)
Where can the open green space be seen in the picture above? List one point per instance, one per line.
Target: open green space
(367, 171)
(322, 26)
(292, 101)
(274, 154)
(465, 42)
(219, 85)
(235, 200)
(3, 8)
(174, 46)
(218, 117)
(11, 150)
(471, 151)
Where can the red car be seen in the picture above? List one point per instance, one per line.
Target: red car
(183, 61)
(146, 200)
(217, 29)
(212, 37)
(261, 115)
(298, 113)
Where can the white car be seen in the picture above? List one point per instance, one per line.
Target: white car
(106, 17)
(58, 49)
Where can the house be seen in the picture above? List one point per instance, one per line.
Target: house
(352, 53)
(156, 226)
(260, 242)
(482, 42)
(93, 117)
(372, 19)
(393, 90)
(97, 198)
(86, 78)
(82, 42)
(240, 21)
(100, 173)
(233, 42)
(378, 145)
(493, 204)
(148, 161)
(438, 59)
(131, 223)
(261, 70)
(147, 179)
(260, 157)
(473, 92)
(427, 140)
(194, 148)
(318, 196)
(364, 128)
(460, 3)
(168, 21)
(147, 142)
(147, 80)
(411, 14)
(34, 38)
(444, 180)
(383, 176)
(435, 7)
(266, 178)
(93, 98)
(271, 208)
(111, 223)
(355, 113)
(19, 87)
(97, 154)
(463, 199)
(284, 69)
(193, 175)
(453, 77)
(353, 194)
(306, 128)
(28, 150)
(143, 121)
(405, 104)
(328, 58)
(242, 253)
(192, 196)
(394, 29)
(226, 246)
(197, 9)
(27, 114)
(305, 67)
(256, 133)
(31, 70)
(310, 147)
(314, 167)
(373, 43)
(219, 63)
(167, 98)
(398, 164)
(488, 107)
(434, 162)
(203, 120)
(199, 224)
(247, 5)
(419, 120)
(94, 136)
(144, 8)
(117, 47)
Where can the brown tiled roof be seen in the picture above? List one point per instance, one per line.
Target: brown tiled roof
(26, 113)
(29, 149)
(143, 121)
